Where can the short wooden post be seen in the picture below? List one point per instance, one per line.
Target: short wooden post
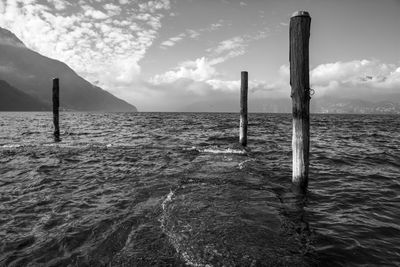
(243, 109)
(299, 80)
(56, 105)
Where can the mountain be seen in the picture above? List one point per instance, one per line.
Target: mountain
(279, 105)
(331, 105)
(355, 106)
(12, 99)
(32, 73)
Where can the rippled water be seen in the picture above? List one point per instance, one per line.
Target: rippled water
(174, 189)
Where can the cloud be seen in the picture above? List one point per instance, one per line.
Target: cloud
(172, 41)
(94, 13)
(59, 4)
(203, 68)
(196, 70)
(153, 6)
(201, 77)
(230, 44)
(100, 40)
(112, 10)
(104, 41)
(186, 94)
(198, 83)
(234, 47)
(191, 34)
(215, 26)
(358, 78)
(228, 49)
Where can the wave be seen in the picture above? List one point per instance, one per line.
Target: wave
(241, 165)
(11, 146)
(173, 237)
(223, 151)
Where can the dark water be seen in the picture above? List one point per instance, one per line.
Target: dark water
(164, 189)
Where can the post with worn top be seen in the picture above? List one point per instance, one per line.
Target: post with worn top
(243, 109)
(300, 82)
(56, 105)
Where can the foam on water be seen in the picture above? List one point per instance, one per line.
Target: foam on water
(242, 164)
(223, 151)
(173, 239)
(11, 146)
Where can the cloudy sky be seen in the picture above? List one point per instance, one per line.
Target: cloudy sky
(163, 55)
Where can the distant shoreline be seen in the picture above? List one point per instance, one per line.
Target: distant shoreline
(187, 112)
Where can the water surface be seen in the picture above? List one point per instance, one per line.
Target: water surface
(175, 189)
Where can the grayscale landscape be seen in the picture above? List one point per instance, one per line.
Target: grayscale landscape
(199, 133)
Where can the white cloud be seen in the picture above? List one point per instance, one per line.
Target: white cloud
(215, 26)
(98, 45)
(172, 41)
(193, 33)
(96, 14)
(234, 47)
(205, 94)
(197, 70)
(230, 44)
(154, 5)
(167, 43)
(276, 89)
(122, 72)
(112, 10)
(199, 81)
(203, 69)
(59, 4)
(228, 49)
(357, 77)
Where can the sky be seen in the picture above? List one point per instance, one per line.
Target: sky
(165, 55)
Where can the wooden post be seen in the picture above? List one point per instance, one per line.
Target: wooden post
(299, 80)
(243, 109)
(56, 105)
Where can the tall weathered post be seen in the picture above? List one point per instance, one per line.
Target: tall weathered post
(56, 105)
(243, 109)
(300, 82)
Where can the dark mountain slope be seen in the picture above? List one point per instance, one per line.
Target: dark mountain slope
(32, 73)
(12, 99)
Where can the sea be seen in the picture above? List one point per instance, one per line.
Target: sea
(176, 189)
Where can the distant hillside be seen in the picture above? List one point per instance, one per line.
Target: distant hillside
(280, 105)
(12, 99)
(355, 106)
(284, 105)
(32, 73)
